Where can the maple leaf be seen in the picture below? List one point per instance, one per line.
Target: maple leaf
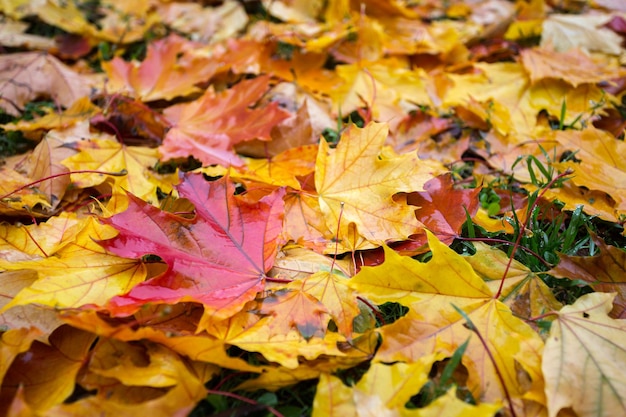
(111, 156)
(19, 242)
(385, 389)
(593, 202)
(564, 32)
(304, 221)
(604, 272)
(432, 325)
(148, 81)
(442, 208)
(333, 292)
(219, 258)
(300, 129)
(383, 283)
(295, 309)
(28, 75)
(581, 356)
(208, 127)
(573, 66)
(165, 304)
(517, 101)
(281, 170)
(90, 275)
(382, 87)
(357, 181)
(601, 167)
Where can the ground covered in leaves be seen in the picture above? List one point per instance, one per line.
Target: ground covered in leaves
(337, 208)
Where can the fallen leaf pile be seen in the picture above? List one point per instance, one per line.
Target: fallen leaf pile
(247, 191)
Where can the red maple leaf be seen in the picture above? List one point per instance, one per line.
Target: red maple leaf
(218, 258)
(444, 209)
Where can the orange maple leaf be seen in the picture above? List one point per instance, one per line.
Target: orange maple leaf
(208, 128)
(172, 68)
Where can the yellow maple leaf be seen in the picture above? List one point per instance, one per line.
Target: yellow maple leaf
(433, 325)
(357, 181)
(602, 165)
(389, 281)
(81, 273)
(111, 156)
(19, 242)
(385, 389)
(384, 87)
(509, 85)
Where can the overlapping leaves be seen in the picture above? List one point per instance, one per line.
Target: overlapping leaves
(128, 286)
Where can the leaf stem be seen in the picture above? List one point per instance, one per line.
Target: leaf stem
(35, 242)
(523, 228)
(472, 328)
(246, 400)
(377, 313)
(51, 177)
